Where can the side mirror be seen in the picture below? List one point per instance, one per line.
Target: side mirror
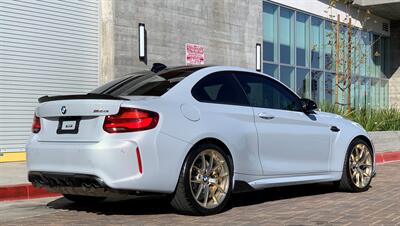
(307, 105)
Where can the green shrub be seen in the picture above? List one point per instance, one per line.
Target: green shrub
(371, 119)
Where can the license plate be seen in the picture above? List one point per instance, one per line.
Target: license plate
(68, 125)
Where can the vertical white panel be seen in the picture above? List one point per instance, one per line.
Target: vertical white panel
(47, 47)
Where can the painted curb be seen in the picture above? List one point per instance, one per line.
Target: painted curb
(27, 191)
(23, 191)
(387, 157)
(19, 156)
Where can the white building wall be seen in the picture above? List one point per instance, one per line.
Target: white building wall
(46, 48)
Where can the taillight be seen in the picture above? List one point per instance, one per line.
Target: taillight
(36, 124)
(130, 120)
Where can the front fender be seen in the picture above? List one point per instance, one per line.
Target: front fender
(341, 140)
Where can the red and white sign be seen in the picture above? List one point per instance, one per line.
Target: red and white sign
(194, 54)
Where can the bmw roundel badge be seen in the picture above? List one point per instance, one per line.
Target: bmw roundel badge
(63, 110)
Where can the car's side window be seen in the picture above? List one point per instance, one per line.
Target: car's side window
(264, 92)
(221, 88)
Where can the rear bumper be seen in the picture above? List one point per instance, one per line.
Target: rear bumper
(78, 184)
(112, 163)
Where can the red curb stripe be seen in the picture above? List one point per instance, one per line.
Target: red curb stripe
(27, 191)
(23, 191)
(387, 157)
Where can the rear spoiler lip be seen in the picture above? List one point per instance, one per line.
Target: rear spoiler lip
(80, 97)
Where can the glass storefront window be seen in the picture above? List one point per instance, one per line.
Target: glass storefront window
(299, 49)
(376, 56)
(271, 69)
(386, 58)
(367, 94)
(270, 32)
(355, 91)
(286, 36)
(302, 39)
(375, 93)
(330, 80)
(303, 82)
(329, 44)
(342, 94)
(365, 54)
(383, 94)
(356, 51)
(287, 76)
(317, 36)
(317, 86)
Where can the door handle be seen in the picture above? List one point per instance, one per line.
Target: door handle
(265, 116)
(334, 129)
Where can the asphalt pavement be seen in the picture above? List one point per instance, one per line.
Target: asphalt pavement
(315, 204)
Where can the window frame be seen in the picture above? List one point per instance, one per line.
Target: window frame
(275, 83)
(234, 79)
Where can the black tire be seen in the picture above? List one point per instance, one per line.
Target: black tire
(183, 199)
(346, 183)
(83, 199)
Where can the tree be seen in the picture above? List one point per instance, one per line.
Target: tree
(350, 47)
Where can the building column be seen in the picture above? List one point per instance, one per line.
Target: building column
(107, 49)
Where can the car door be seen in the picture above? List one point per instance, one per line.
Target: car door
(226, 114)
(290, 141)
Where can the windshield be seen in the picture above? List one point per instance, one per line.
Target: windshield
(146, 83)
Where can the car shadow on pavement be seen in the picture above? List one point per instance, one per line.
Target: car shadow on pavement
(280, 193)
(160, 204)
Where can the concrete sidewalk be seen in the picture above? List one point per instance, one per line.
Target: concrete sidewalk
(14, 184)
(13, 173)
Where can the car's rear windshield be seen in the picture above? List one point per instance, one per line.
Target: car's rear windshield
(146, 83)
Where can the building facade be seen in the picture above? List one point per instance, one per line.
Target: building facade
(296, 39)
(71, 46)
(299, 49)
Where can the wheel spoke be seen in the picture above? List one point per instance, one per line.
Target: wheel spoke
(206, 193)
(197, 181)
(357, 179)
(215, 199)
(353, 174)
(220, 189)
(352, 158)
(357, 153)
(217, 165)
(197, 168)
(362, 154)
(203, 163)
(362, 179)
(199, 192)
(211, 163)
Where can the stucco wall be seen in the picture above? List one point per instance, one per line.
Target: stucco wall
(228, 29)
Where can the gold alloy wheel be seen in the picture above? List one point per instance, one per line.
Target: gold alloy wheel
(209, 178)
(360, 165)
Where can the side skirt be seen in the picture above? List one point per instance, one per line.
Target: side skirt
(260, 182)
